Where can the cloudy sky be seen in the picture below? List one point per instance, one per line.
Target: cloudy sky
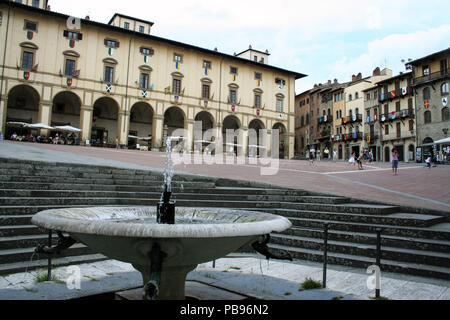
(324, 39)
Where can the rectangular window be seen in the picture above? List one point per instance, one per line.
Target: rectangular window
(70, 67)
(257, 101)
(411, 125)
(176, 86)
(126, 25)
(36, 3)
(425, 71)
(141, 29)
(144, 80)
(399, 130)
(233, 70)
(147, 51)
(207, 64)
(177, 57)
(112, 43)
(73, 35)
(258, 76)
(109, 74)
(410, 106)
(386, 130)
(397, 106)
(1, 18)
(386, 109)
(31, 26)
(205, 91)
(27, 60)
(233, 96)
(280, 105)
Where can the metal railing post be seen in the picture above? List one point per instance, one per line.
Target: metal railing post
(325, 254)
(49, 266)
(378, 289)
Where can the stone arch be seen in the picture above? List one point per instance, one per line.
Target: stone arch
(105, 124)
(283, 142)
(231, 144)
(174, 118)
(66, 109)
(23, 106)
(256, 144)
(140, 122)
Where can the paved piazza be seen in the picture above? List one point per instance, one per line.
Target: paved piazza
(414, 186)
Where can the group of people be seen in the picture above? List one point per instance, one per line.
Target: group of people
(365, 157)
(71, 138)
(317, 155)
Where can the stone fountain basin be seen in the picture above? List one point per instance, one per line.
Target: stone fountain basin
(128, 233)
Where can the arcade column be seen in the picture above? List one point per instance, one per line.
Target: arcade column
(86, 114)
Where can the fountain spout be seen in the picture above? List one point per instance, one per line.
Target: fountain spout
(166, 208)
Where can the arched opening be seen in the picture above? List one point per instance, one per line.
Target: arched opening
(387, 154)
(66, 109)
(173, 120)
(256, 145)
(23, 106)
(282, 141)
(141, 125)
(428, 148)
(411, 153)
(204, 136)
(231, 141)
(105, 122)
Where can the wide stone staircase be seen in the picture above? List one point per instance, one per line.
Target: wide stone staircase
(414, 241)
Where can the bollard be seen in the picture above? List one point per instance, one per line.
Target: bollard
(377, 290)
(325, 254)
(49, 266)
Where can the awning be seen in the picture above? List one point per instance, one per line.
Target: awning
(68, 129)
(443, 141)
(39, 126)
(17, 124)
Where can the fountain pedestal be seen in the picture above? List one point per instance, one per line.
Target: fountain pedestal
(172, 280)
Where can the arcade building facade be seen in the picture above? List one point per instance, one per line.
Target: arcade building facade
(116, 81)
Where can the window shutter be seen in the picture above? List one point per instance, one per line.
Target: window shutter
(117, 44)
(106, 42)
(80, 36)
(66, 33)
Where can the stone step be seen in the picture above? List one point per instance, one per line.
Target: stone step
(364, 262)
(26, 254)
(423, 233)
(31, 241)
(177, 187)
(371, 238)
(205, 195)
(360, 208)
(17, 267)
(23, 230)
(439, 259)
(94, 181)
(6, 173)
(400, 219)
(13, 220)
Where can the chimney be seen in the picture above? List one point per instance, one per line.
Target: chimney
(359, 76)
(87, 18)
(335, 81)
(376, 72)
(353, 78)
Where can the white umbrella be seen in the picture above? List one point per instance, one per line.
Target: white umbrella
(443, 141)
(133, 137)
(39, 126)
(68, 129)
(19, 124)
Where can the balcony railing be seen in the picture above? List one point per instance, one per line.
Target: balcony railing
(397, 93)
(325, 120)
(352, 119)
(371, 137)
(432, 76)
(397, 115)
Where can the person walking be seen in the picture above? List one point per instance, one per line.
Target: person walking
(312, 155)
(352, 160)
(395, 159)
(359, 160)
(428, 162)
